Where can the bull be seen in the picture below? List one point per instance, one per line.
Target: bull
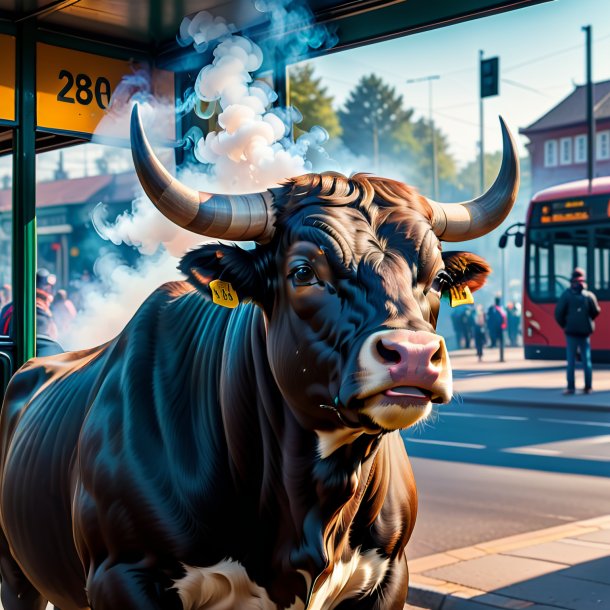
(246, 457)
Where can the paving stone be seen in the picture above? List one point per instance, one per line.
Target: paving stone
(479, 603)
(603, 522)
(469, 552)
(595, 571)
(500, 601)
(598, 536)
(420, 580)
(422, 564)
(467, 592)
(561, 552)
(494, 571)
(562, 592)
(572, 530)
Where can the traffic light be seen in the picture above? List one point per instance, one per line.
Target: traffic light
(490, 73)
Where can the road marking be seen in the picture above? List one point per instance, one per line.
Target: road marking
(576, 421)
(531, 450)
(446, 443)
(508, 417)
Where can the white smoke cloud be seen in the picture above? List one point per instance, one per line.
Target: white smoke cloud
(112, 299)
(252, 150)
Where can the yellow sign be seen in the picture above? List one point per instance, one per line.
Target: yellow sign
(7, 78)
(223, 294)
(460, 295)
(74, 91)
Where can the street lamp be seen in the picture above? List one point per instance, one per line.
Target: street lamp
(513, 231)
(429, 79)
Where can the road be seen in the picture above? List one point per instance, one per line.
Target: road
(484, 472)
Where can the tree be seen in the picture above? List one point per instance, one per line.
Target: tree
(310, 98)
(373, 113)
(469, 177)
(415, 145)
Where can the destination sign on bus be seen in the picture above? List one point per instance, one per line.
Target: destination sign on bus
(584, 209)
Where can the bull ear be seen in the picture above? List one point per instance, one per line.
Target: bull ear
(243, 269)
(467, 269)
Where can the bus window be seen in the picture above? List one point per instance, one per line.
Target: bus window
(553, 254)
(6, 196)
(601, 258)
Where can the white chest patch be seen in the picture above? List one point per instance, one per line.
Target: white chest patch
(359, 576)
(226, 586)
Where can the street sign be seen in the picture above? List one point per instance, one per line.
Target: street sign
(7, 78)
(74, 90)
(490, 73)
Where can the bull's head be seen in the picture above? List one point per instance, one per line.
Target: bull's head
(349, 273)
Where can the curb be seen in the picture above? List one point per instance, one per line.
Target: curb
(441, 595)
(424, 597)
(507, 402)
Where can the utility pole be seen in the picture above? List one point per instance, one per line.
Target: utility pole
(489, 73)
(433, 147)
(481, 129)
(375, 143)
(590, 109)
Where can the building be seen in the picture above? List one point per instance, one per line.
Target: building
(558, 140)
(68, 245)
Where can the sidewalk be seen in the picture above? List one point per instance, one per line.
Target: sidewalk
(560, 568)
(518, 381)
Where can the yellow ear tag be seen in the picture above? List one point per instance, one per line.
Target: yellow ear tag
(460, 295)
(223, 294)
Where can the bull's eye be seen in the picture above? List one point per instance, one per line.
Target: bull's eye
(303, 275)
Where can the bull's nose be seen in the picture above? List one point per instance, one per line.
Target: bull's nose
(399, 346)
(409, 358)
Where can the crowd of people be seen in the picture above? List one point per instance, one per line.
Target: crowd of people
(480, 327)
(55, 312)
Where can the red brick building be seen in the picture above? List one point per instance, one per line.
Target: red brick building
(558, 140)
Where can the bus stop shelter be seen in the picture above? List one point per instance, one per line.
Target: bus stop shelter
(62, 59)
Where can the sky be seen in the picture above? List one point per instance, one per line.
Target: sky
(542, 56)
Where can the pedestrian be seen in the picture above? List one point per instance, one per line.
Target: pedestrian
(467, 325)
(513, 313)
(46, 330)
(480, 324)
(63, 311)
(496, 322)
(456, 321)
(575, 312)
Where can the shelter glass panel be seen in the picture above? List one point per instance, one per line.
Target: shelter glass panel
(6, 241)
(75, 187)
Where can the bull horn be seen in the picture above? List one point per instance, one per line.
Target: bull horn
(471, 219)
(232, 217)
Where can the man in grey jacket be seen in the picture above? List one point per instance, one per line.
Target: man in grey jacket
(575, 311)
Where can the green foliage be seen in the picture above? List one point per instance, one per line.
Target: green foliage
(469, 177)
(310, 98)
(372, 115)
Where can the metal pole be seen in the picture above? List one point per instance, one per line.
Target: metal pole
(481, 140)
(503, 292)
(433, 141)
(590, 109)
(24, 195)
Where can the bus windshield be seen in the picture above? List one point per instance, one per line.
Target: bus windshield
(553, 253)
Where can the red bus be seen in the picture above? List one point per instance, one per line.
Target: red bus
(567, 226)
